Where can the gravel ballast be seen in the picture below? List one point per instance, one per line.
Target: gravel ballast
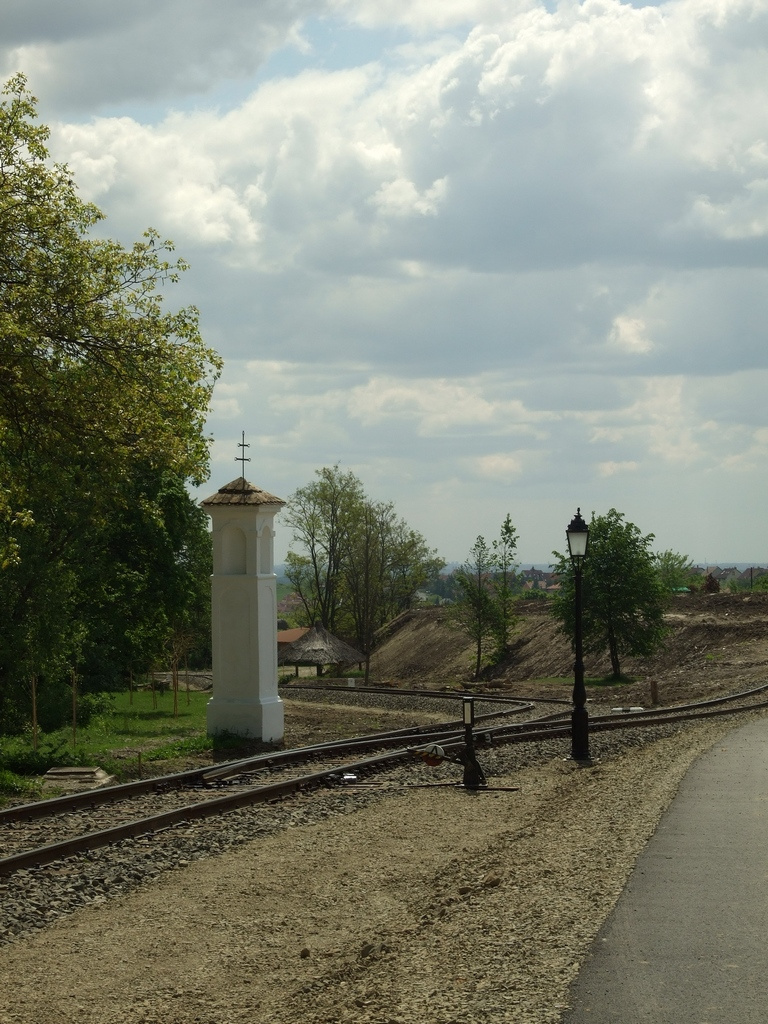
(397, 903)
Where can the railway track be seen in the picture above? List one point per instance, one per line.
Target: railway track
(87, 821)
(46, 832)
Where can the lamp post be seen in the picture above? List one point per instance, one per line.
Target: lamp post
(578, 538)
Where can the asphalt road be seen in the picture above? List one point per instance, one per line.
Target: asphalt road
(688, 940)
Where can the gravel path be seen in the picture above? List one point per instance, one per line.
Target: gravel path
(398, 904)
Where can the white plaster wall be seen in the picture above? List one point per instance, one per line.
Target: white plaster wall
(245, 697)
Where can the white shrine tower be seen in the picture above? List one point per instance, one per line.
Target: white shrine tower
(244, 613)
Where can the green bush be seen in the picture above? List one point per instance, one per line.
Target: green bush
(91, 706)
(52, 752)
(13, 785)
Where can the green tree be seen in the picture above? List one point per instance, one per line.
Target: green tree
(475, 612)
(385, 564)
(623, 595)
(674, 569)
(756, 579)
(146, 588)
(504, 549)
(412, 565)
(322, 516)
(485, 595)
(112, 596)
(358, 563)
(365, 571)
(100, 385)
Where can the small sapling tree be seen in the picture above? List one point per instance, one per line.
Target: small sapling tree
(475, 612)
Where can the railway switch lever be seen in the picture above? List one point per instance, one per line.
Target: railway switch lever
(474, 776)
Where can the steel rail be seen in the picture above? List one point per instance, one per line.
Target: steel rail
(95, 797)
(278, 790)
(180, 780)
(424, 733)
(166, 819)
(502, 697)
(652, 714)
(709, 702)
(205, 776)
(604, 723)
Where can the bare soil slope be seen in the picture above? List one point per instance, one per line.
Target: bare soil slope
(717, 643)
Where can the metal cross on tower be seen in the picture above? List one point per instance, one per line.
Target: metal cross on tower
(243, 458)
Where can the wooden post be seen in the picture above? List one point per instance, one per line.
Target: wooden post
(74, 709)
(654, 692)
(175, 683)
(33, 687)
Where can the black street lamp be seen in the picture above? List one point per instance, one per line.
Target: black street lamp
(578, 538)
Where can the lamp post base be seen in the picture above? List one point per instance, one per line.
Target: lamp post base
(580, 734)
(582, 762)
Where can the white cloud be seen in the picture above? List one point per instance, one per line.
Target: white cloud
(85, 55)
(473, 146)
(423, 15)
(612, 468)
(743, 216)
(629, 333)
(505, 243)
(503, 466)
(401, 197)
(227, 409)
(440, 406)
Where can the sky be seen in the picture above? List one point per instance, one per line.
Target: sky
(493, 256)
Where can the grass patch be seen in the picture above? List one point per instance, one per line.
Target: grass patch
(588, 681)
(13, 785)
(611, 681)
(114, 739)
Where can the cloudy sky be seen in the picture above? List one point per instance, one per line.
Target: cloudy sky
(494, 256)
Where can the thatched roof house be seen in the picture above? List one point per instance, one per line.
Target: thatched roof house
(318, 647)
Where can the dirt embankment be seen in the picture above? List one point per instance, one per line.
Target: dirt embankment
(716, 643)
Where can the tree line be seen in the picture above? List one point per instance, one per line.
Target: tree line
(357, 565)
(626, 588)
(104, 557)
